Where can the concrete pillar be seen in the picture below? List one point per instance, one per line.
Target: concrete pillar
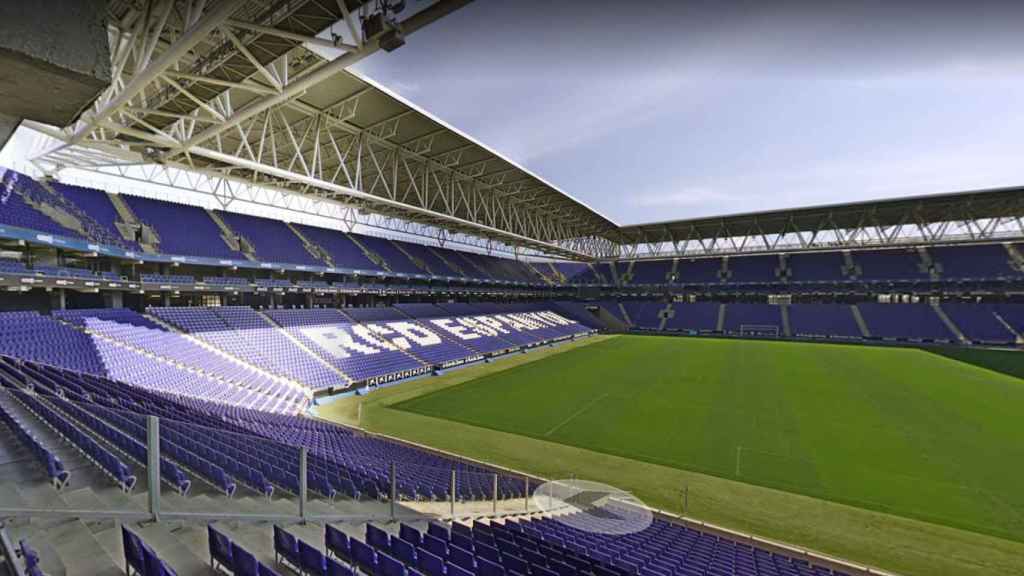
(153, 465)
(303, 487)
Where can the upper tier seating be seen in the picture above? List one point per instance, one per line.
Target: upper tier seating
(577, 273)
(98, 206)
(753, 269)
(889, 265)
(272, 240)
(437, 265)
(816, 267)
(973, 262)
(343, 251)
(183, 229)
(15, 210)
(699, 271)
(651, 272)
(396, 260)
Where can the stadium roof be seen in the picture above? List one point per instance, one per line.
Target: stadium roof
(975, 215)
(256, 98)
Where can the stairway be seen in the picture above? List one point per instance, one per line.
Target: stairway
(57, 208)
(451, 264)
(724, 274)
(419, 263)
(625, 315)
(927, 265)
(674, 272)
(1016, 258)
(314, 249)
(850, 269)
(234, 241)
(370, 254)
(667, 312)
(859, 319)
(616, 279)
(720, 324)
(1017, 335)
(128, 225)
(627, 276)
(786, 330)
(949, 323)
(782, 272)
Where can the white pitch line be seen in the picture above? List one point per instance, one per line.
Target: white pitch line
(577, 413)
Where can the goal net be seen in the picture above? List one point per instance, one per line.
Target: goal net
(759, 330)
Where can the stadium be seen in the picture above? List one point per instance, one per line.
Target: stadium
(262, 314)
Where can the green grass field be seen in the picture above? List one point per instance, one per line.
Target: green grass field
(901, 432)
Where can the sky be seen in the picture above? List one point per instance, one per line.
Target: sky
(653, 110)
(657, 110)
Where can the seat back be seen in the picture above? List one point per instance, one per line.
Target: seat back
(430, 564)
(311, 560)
(134, 558)
(409, 534)
(336, 542)
(285, 545)
(220, 546)
(244, 563)
(377, 538)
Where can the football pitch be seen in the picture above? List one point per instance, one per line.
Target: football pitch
(899, 431)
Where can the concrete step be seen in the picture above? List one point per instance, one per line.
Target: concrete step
(75, 546)
(178, 546)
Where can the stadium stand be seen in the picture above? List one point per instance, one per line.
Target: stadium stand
(272, 239)
(21, 199)
(904, 321)
(750, 269)
(979, 322)
(652, 272)
(396, 260)
(183, 229)
(699, 271)
(644, 314)
(695, 317)
(97, 205)
(742, 317)
(817, 267)
(894, 264)
(823, 321)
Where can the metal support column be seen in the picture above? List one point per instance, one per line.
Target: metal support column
(153, 465)
(394, 490)
(453, 494)
(495, 494)
(303, 487)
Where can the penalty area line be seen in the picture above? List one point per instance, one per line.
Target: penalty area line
(572, 416)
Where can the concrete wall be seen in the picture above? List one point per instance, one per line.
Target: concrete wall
(54, 58)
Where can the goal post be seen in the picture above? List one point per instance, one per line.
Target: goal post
(770, 330)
